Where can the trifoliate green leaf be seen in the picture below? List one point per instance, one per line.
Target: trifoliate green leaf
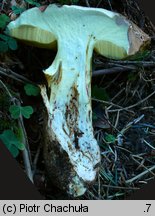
(11, 142)
(31, 90)
(26, 111)
(14, 151)
(110, 138)
(4, 37)
(7, 42)
(32, 2)
(17, 10)
(4, 19)
(15, 111)
(21, 146)
(12, 43)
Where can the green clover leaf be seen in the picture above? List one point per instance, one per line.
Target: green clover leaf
(31, 90)
(4, 19)
(11, 142)
(16, 111)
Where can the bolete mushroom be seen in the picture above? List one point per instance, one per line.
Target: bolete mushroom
(77, 31)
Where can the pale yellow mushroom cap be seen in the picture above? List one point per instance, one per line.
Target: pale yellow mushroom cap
(114, 36)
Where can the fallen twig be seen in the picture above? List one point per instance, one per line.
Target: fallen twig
(119, 187)
(141, 165)
(36, 159)
(134, 105)
(122, 68)
(87, 3)
(25, 152)
(15, 76)
(109, 71)
(111, 103)
(140, 175)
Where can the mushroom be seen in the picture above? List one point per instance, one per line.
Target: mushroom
(72, 155)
